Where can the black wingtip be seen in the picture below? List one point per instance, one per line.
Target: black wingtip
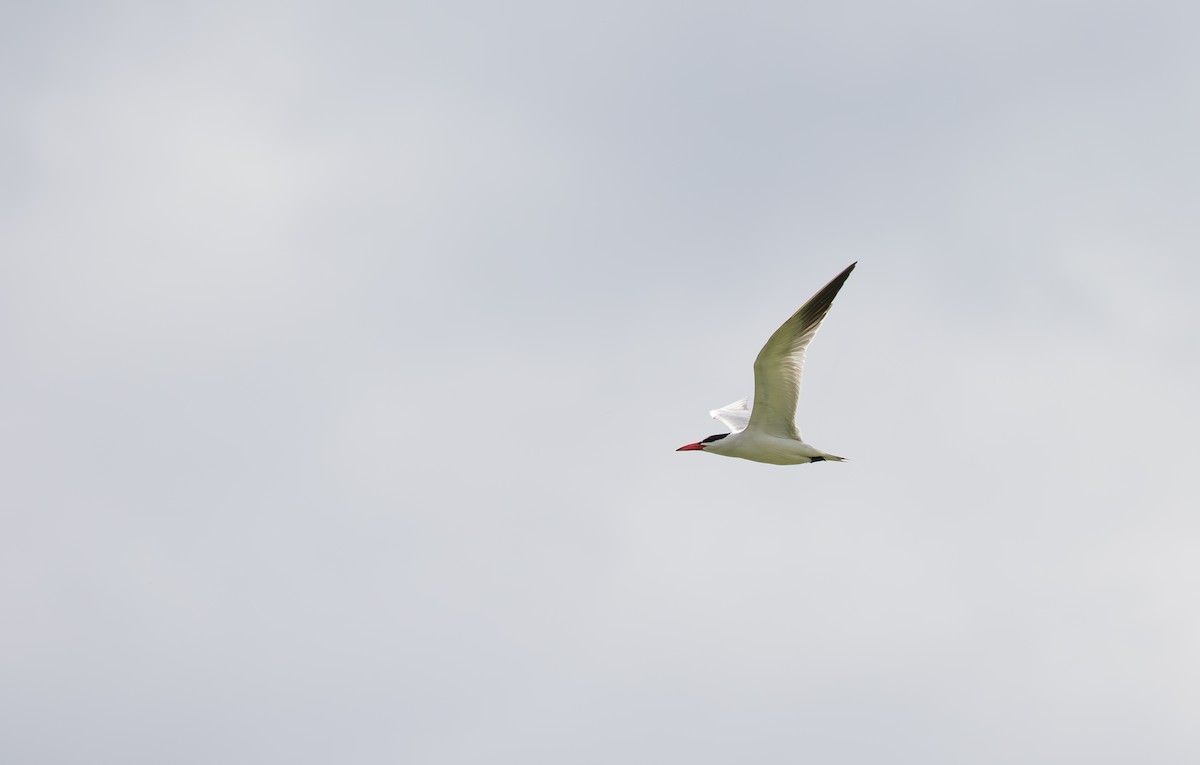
(818, 304)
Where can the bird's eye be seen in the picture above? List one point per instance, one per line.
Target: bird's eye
(717, 437)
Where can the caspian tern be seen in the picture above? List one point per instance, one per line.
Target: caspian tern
(769, 433)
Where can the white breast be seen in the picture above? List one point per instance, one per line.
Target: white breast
(760, 447)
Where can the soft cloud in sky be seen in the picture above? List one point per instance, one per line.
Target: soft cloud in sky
(348, 348)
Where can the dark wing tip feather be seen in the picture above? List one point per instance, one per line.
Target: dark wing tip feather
(818, 305)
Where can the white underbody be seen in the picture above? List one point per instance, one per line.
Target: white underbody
(761, 447)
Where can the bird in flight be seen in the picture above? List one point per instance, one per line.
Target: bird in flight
(768, 433)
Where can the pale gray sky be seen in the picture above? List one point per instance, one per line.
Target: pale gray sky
(347, 347)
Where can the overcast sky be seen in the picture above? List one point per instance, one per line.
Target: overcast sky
(347, 347)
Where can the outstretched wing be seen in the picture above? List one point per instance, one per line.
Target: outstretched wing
(734, 416)
(780, 363)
